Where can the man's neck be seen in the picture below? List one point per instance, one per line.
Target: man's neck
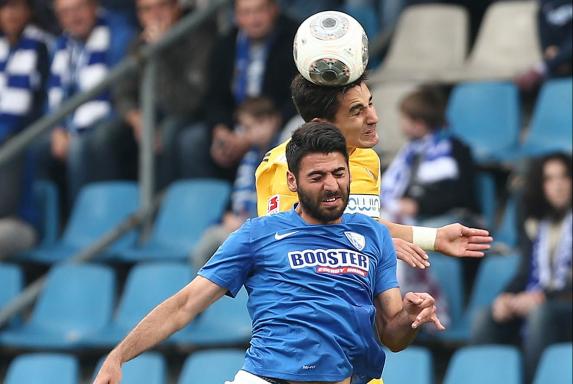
(312, 220)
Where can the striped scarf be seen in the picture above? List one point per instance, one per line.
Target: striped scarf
(435, 163)
(544, 273)
(19, 79)
(76, 68)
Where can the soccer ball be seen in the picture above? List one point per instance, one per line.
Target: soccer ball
(330, 48)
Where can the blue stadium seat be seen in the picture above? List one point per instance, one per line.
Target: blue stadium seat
(211, 367)
(188, 209)
(43, 368)
(556, 365)
(486, 195)
(486, 116)
(147, 285)
(491, 364)
(226, 322)
(399, 366)
(552, 121)
(448, 273)
(76, 300)
(47, 203)
(99, 208)
(505, 236)
(11, 284)
(148, 368)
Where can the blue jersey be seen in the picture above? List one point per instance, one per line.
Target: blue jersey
(311, 291)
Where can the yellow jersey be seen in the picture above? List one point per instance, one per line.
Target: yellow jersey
(273, 195)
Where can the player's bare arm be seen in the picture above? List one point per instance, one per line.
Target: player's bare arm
(165, 319)
(453, 240)
(398, 320)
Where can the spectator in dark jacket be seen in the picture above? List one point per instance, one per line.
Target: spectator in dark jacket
(535, 309)
(180, 81)
(555, 26)
(433, 175)
(254, 59)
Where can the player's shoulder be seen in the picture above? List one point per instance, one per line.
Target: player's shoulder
(367, 223)
(366, 156)
(271, 222)
(277, 155)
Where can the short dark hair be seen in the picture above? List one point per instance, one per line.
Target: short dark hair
(314, 137)
(535, 204)
(426, 104)
(318, 101)
(258, 107)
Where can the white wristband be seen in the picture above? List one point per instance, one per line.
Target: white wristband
(424, 237)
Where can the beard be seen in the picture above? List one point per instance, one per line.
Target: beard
(312, 206)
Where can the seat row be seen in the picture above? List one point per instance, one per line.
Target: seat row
(77, 308)
(491, 364)
(188, 208)
(431, 43)
(488, 117)
(204, 367)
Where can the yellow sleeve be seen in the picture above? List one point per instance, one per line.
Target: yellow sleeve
(273, 195)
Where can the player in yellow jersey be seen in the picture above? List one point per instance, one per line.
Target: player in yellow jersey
(350, 108)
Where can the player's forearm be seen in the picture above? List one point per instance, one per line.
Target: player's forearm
(399, 231)
(159, 324)
(398, 333)
(421, 236)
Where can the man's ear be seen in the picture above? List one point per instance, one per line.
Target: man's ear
(319, 120)
(291, 181)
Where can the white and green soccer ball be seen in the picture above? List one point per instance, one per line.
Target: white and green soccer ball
(331, 48)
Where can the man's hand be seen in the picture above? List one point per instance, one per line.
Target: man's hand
(110, 371)
(523, 303)
(501, 309)
(410, 253)
(422, 309)
(460, 241)
(60, 143)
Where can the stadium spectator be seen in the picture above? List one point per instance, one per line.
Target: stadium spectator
(555, 26)
(432, 177)
(260, 123)
(430, 181)
(24, 66)
(253, 59)
(180, 82)
(535, 309)
(313, 320)
(89, 140)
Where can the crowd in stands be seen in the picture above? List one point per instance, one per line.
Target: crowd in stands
(222, 100)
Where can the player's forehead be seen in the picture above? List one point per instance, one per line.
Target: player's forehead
(322, 162)
(359, 94)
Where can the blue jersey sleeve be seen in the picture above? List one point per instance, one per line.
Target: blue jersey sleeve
(386, 270)
(233, 261)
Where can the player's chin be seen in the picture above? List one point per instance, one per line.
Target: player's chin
(369, 139)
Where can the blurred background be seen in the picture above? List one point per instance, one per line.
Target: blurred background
(130, 131)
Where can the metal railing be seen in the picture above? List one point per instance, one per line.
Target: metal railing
(145, 57)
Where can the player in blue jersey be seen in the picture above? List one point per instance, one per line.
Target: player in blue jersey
(323, 294)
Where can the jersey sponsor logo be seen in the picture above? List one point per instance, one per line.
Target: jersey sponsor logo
(356, 239)
(332, 261)
(274, 204)
(280, 237)
(366, 204)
